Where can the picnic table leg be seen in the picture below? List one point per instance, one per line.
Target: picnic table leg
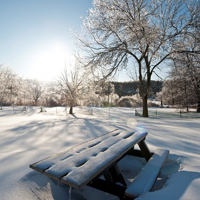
(145, 150)
(117, 175)
(108, 177)
(114, 175)
(111, 184)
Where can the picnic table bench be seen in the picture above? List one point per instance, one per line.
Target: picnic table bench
(84, 164)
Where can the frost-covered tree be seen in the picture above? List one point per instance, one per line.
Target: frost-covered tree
(51, 95)
(170, 93)
(183, 86)
(24, 95)
(105, 88)
(88, 95)
(35, 89)
(186, 72)
(146, 31)
(70, 84)
(7, 85)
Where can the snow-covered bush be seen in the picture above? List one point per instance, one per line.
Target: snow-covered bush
(129, 101)
(152, 104)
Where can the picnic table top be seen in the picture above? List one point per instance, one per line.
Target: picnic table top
(79, 165)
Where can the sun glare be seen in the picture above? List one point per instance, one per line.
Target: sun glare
(49, 62)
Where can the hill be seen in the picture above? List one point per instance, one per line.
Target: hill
(130, 88)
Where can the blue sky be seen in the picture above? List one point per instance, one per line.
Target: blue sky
(35, 38)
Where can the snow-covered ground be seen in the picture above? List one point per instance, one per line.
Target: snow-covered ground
(29, 136)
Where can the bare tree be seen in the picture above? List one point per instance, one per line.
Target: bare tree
(70, 84)
(35, 89)
(146, 31)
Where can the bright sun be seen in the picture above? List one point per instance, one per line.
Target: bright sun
(49, 61)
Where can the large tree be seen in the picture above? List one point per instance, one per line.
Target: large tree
(146, 31)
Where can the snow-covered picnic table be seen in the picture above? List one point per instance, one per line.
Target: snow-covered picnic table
(84, 164)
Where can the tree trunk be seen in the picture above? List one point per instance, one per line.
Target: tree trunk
(198, 106)
(187, 108)
(161, 103)
(198, 98)
(71, 110)
(186, 96)
(145, 106)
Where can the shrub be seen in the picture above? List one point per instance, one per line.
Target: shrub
(128, 102)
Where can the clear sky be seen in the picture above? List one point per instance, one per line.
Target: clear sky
(35, 38)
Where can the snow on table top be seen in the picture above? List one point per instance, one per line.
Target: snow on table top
(81, 164)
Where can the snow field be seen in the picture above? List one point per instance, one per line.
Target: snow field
(29, 136)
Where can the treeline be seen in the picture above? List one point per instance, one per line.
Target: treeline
(182, 88)
(15, 90)
(70, 89)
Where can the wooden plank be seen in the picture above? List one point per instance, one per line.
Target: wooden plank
(148, 175)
